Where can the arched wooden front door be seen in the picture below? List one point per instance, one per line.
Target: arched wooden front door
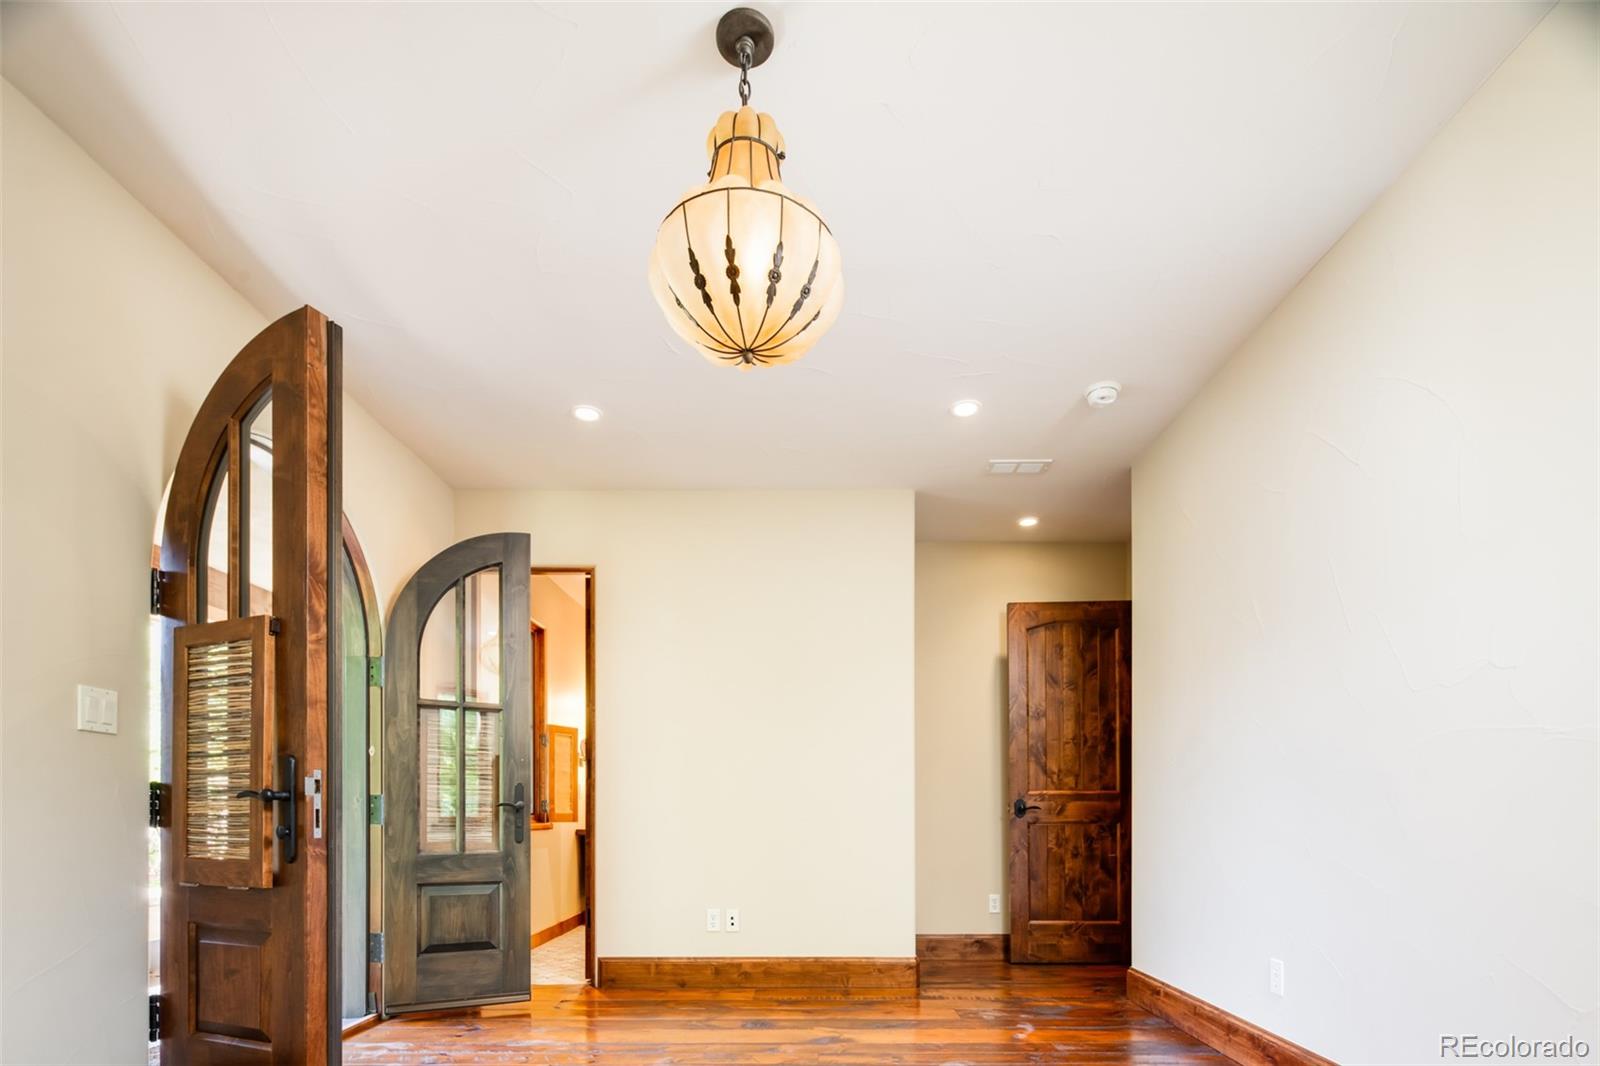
(245, 589)
(457, 780)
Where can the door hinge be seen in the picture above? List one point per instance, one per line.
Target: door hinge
(544, 809)
(375, 670)
(374, 947)
(158, 585)
(158, 805)
(375, 810)
(544, 740)
(155, 1018)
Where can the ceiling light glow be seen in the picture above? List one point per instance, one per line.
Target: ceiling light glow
(586, 413)
(1028, 521)
(965, 408)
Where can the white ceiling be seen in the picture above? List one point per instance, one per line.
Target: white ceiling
(1028, 198)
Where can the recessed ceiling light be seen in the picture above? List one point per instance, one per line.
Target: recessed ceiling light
(586, 413)
(965, 408)
(1028, 521)
(1102, 393)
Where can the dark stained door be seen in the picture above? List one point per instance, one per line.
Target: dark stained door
(1070, 713)
(458, 780)
(243, 591)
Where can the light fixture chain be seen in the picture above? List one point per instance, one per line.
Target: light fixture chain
(746, 48)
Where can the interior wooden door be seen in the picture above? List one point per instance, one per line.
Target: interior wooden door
(458, 780)
(242, 589)
(1070, 755)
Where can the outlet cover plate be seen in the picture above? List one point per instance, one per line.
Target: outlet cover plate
(97, 709)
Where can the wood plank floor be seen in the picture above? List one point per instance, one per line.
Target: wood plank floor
(964, 1013)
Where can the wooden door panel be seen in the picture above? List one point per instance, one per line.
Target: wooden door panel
(456, 868)
(244, 938)
(1069, 754)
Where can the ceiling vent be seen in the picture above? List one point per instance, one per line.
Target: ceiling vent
(1019, 466)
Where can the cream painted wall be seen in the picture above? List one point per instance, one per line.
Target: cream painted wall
(557, 894)
(1365, 643)
(962, 822)
(113, 331)
(401, 511)
(754, 712)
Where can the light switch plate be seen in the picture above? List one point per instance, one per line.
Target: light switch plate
(97, 709)
(731, 922)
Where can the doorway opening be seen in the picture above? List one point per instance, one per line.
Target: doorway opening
(561, 626)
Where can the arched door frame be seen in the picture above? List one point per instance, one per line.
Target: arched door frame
(370, 837)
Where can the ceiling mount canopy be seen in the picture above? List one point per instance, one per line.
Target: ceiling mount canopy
(745, 270)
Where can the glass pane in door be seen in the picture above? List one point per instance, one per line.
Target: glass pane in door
(436, 657)
(483, 636)
(482, 780)
(213, 591)
(256, 435)
(439, 768)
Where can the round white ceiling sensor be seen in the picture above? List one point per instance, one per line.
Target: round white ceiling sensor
(965, 408)
(1102, 393)
(586, 413)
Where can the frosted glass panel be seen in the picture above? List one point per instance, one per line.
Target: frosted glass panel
(483, 780)
(483, 636)
(436, 658)
(440, 785)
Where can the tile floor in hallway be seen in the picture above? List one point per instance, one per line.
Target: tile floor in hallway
(559, 961)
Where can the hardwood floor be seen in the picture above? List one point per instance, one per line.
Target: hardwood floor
(977, 1013)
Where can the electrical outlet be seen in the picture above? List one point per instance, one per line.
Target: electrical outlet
(1276, 966)
(713, 920)
(994, 903)
(732, 921)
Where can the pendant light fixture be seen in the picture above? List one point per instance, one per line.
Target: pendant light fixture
(745, 270)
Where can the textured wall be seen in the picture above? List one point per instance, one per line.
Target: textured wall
(963, 826)
(1364, 644)
(753, 706)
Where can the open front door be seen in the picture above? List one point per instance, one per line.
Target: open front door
(243, 590)
(458, 792)
(1070, 760)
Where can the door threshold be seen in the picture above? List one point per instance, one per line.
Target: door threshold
(351, 1026)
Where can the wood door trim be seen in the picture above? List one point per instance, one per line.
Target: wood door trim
(964, 947)
(537, 817)
(1020, 618)
(374, 777)
(591, 964)
(838, 974)
(1244, 1043)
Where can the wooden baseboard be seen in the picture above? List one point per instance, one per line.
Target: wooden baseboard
(1236, 1038)
(963, 947)
(566, 925)
(835, 974)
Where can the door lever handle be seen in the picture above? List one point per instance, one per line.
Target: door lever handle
(290, 833)
(269, 796)
(1020, 808)
(518, 807)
